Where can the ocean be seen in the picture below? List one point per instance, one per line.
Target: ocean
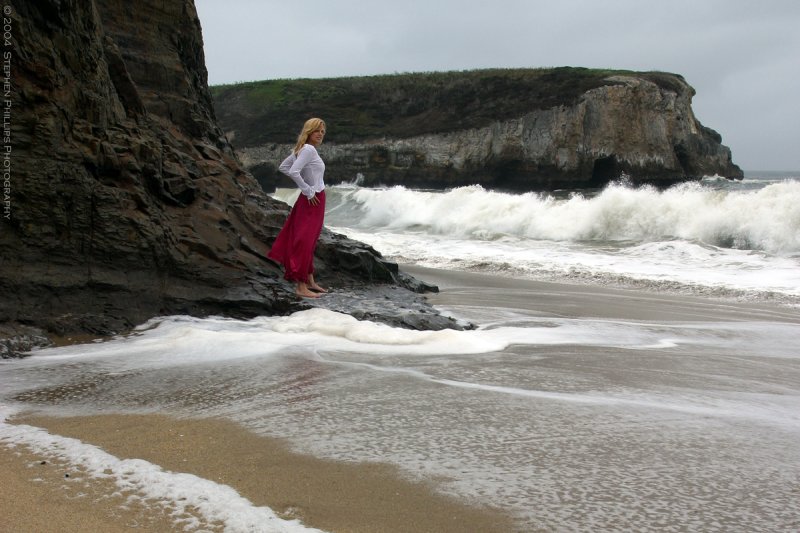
(635, 366)
(728, 238)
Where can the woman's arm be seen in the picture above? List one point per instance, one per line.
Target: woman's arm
(293, 168)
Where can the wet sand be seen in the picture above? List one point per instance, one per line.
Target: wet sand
(330, 495)
(553, 299)
(42, 495)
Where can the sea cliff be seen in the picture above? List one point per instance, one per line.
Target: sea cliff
(127, 201)
(520, 129)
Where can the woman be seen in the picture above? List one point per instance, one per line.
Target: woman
(295, 244)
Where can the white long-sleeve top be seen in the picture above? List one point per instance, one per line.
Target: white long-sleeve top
(306, 169)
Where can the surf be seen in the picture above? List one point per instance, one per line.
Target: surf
(766, 220)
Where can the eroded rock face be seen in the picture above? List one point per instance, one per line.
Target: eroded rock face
(629, 125)
(127, 200)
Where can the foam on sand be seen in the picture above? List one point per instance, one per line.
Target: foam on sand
(177, 491)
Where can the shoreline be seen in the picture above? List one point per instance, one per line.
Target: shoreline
(44, 495)
(583, 300)
(326, 494)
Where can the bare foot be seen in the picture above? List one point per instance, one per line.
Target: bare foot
(306, 293)
(312, 284)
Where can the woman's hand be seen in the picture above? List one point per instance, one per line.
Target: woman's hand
(313, 200)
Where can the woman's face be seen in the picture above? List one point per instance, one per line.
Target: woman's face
(316, 136)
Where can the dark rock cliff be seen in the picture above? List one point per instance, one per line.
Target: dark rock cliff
(523, 129)
(126, 199)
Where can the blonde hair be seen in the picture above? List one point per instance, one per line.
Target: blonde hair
(311, 125)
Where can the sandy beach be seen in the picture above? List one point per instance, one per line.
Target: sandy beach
(351, 495)
(330, 495)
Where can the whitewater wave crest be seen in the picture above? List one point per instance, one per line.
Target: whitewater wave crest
(767, 219)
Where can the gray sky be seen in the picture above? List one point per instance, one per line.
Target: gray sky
(741, 56)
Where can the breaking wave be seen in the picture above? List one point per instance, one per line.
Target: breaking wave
(767, 219)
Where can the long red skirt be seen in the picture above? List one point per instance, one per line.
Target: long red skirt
(294, 246)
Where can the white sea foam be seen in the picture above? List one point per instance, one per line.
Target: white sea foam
(690, 237)
(767, 219)
(191, 344)
(180, 340)
(175, 491)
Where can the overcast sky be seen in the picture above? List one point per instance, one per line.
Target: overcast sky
(741, 56)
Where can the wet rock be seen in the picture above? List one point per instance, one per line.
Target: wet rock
(128, 202)
(16, 339)
(388, 304)
(342, 258)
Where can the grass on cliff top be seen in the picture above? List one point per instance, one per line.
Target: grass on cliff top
(404, 105)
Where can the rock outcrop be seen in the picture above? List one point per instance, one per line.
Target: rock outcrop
(126, 199)
(596, 127)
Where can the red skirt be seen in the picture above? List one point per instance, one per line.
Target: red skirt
(294, 246)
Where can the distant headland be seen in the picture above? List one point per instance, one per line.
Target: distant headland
(519, 129)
